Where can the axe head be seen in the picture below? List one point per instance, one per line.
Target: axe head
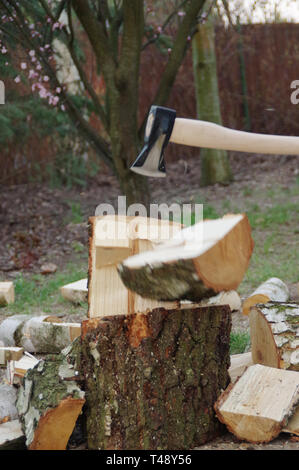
(150, 161)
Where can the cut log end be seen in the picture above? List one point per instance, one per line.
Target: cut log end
(56, 425)
(199, 262)
(274, 335)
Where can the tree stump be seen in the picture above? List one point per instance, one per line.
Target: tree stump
(151, 380)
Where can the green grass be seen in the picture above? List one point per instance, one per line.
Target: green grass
(41, 293)
(76, 215)
(239, 342)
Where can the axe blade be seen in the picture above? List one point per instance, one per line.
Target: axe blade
(150, 161)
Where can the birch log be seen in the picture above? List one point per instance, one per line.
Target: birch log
(273, 289)
(50, 400)
(274, 331)
(38, 334)
(199, 262)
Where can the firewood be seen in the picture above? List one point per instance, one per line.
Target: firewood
(42, 334)
(12, 436)
(230, 298)
(293, 423)
(151, 380)
(50, 400)
(10, 354)
(258, 406)
(76, 292)
(199, 262)
(238, 365)
(8, 411)
(7, 293)
(21, 367)
(112, 239)
(273, 289)
(274, 334)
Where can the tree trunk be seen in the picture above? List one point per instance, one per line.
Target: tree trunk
(151, 380)
(215, 166)
(274, 335)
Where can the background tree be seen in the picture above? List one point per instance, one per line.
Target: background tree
(215, 166)
(118, 31)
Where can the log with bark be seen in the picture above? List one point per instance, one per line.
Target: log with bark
(10, 354)
(274, 330)
(259, 405)
(273, 289)
(198, 262)
(152, 379)
(50, 400)
(238, 365)
(38, 334)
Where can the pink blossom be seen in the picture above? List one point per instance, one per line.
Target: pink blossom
(32, 53)
(3, 50)
(181, 13)
(62, 107)
(17, 79)
(46, 78)
(23, 66)
(32, 74)
(58, 90)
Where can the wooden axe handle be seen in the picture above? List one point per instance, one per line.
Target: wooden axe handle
(209, 135)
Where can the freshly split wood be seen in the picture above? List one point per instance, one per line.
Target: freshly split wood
(198, 262)
(260, 404)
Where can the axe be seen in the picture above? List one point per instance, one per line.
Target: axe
(163, 127)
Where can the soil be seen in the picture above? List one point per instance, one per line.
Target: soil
(39, 224)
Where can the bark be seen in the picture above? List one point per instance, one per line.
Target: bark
(215, 166)
(151, 380)
(8, 411)
(194, 265)
(274, 335)
(50, 400)
(272, 289)
(11, 436)
(42, 334)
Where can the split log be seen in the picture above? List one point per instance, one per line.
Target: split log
(271, 290)
(10, 354)
(50, 400)
(151, 380)
(12, 436)
(230, 298)
(42, 334)
(274, 335)
(76, 292)
(199, 262)
(258, 406)
(238, 365)
(111, 240)
(8, 410)
(7, 293)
